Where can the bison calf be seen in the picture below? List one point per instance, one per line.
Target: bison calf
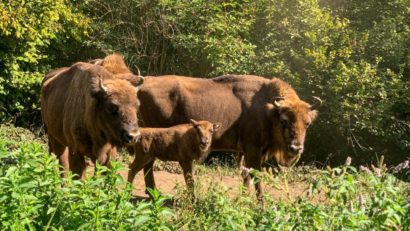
(183, 143)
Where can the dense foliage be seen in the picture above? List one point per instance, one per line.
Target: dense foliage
(33, 196)
(34, 36)
(355, 55)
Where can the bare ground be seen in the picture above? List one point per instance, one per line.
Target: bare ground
(169, 182)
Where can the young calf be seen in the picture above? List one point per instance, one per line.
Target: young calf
(183, 143)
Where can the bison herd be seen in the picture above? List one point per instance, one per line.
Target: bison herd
(91, 109)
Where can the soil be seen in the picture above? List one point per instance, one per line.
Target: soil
(168, 182)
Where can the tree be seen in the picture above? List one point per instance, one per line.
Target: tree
(27, 29)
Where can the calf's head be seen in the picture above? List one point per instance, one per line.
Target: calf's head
(116, 108)
(291, 119)
(205, 130)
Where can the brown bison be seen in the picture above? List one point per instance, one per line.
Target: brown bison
(183, 143)
(258, 115)
(89, 111)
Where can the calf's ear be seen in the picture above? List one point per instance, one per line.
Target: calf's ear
(194, 122)
(216, 126)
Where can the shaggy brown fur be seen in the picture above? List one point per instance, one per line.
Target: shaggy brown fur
(88, 111)
(114, 63)
(254, 120)
(183, 143)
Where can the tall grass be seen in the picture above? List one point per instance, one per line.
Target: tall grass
(33, 196)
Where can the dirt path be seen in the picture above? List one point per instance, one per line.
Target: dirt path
(167, 183)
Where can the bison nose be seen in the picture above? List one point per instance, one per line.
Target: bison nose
(127, 137)
(295, 148)
(204, 141)
(137, 136)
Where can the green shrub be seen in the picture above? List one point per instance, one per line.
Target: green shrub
(27, 29)
(34, 196)
(354, 58)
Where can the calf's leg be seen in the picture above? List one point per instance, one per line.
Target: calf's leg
(189, 180)
(139, 162)
(149, 175)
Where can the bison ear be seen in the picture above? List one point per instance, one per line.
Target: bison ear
(216, 126)
(98, 88)
(136, 80)
(270, 109)
(194, 122)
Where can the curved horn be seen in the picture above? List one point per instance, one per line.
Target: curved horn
(138, 70)
(142, 81)
(139, 75)
(276, 99)
(96, 62)
(276, 103)
(102, 87)
(316, 104)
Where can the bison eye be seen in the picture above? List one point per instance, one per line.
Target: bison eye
(211, 130)
(284, 122)
(113, 109)
(307, 125)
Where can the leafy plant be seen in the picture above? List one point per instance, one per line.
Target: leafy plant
(33, 196)
(27, 29)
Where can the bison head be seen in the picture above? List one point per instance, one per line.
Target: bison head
(116, 107)
(205, 130)
(290, 123)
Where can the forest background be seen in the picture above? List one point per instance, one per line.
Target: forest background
(355, 55)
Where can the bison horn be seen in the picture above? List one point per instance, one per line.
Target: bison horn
(276, 100)
(138, 70)
(316, 104)
(96, 62)
(139, 75)
(142, 80)
(102, 87)
(276, 103)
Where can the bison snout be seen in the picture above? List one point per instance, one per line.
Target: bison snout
(296, 149)
(129, 137)
(204, 141)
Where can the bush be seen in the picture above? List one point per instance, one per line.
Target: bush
(356, 60)
(352, 54)
(34, 196)
(27, 30)
(338, 198)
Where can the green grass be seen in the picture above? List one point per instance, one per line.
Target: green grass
(33, 196)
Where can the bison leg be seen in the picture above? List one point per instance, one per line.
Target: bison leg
(61, 152)
(103, 155)
(239, 159)
(77, 164)
(255, 162)
(149, 175)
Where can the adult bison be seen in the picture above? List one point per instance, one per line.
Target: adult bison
(89, 110)
(258, 115)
